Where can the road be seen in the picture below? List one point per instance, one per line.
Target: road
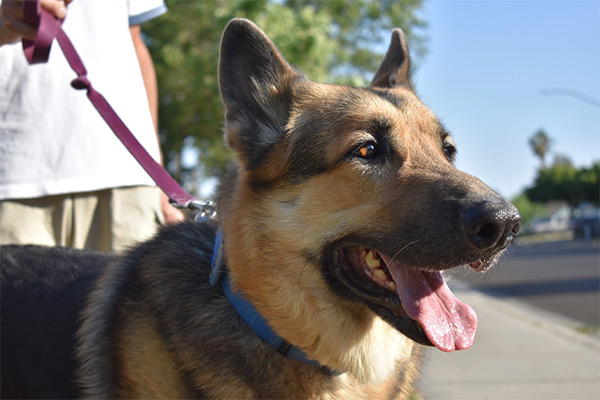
(561, 277)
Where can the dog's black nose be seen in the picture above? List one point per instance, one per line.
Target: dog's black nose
(492, 224)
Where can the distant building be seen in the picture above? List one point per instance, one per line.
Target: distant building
(556, 219)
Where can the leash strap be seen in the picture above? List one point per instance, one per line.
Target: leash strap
(38, 50)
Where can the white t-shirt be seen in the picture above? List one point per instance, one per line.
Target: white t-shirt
(52, 139)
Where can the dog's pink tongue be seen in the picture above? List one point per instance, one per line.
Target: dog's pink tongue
(449, 323)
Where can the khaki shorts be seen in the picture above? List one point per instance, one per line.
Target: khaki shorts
(107, 220)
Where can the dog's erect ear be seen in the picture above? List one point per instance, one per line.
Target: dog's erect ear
(254, 80)
(394, 70)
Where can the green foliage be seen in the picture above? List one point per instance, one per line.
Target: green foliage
(361, 30)
(336, 41)
(562, 181)
(527, 208)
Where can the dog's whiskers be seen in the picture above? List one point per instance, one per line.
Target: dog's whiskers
(453, 111)
(404, 248)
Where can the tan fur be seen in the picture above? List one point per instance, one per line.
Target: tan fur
(146, 365)
(369, 347)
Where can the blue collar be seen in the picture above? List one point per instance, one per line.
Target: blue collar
(250, 315)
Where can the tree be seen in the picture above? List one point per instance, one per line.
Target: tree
(562, 181)
(359, 29)
(528, 209)
(336, 41)
(540, 144)
(561, 159)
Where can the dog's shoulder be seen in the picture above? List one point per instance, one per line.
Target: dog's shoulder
(172, 270)
(154, 300)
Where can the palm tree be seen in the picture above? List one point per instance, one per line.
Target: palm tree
(540, 144)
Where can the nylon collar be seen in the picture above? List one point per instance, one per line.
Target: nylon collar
(250, 315)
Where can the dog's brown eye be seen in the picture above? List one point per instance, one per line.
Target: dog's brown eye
(449, 152)
(365, 151)
(449, 149)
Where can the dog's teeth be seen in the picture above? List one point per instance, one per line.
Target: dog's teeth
(371, 260)
(364, 253)
(391, 285)
(379, 273)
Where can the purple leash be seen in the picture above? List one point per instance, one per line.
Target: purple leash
(38, 50)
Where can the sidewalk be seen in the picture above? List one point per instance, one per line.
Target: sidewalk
(520, 353)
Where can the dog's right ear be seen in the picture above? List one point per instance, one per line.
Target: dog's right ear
(394, 70)
(254, 80)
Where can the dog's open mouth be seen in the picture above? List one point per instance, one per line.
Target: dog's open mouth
(417, 302)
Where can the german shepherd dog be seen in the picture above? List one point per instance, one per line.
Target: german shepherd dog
(337, 224)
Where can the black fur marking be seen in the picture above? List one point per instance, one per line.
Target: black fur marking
(43, 292)
(307, 158)
(388, 96)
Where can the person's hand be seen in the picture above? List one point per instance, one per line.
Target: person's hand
(171, 214)
(12, 26)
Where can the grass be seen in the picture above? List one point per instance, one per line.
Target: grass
(544, 237)
(588, 329)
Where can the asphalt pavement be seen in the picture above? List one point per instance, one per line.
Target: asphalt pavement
(520, 353)
(561, 277)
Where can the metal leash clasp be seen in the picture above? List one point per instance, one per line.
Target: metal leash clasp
(205, 210)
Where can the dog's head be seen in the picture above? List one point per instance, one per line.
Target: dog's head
(347, 207)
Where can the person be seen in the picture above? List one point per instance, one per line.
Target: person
(65, 178)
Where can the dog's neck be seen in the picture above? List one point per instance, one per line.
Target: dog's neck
(219, 275)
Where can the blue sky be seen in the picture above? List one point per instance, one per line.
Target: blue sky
(488, 64)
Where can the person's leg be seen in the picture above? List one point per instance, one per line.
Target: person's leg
(114, 219)
(106, 220)
(91, 222)
(42, 221)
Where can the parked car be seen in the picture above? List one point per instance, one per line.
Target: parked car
(586, 221)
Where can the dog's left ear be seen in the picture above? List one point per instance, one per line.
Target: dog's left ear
(394, 70)
(254, 80)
